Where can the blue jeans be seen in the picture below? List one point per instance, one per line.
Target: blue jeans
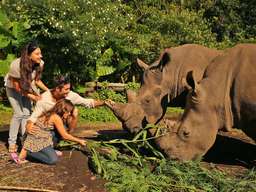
(46, 155)
(21, 111)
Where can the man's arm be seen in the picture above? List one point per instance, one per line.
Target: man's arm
(76, 99)
(40, 84)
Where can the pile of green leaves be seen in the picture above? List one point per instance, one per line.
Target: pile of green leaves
(129, 169)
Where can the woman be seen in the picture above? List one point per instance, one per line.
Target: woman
(39, 146)
(21, 88)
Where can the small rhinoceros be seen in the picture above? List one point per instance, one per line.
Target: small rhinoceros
(162, 84)
(224, 98)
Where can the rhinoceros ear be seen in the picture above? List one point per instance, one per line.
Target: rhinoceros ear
(131, 95)
(191, 82)
(166, 58)
(142, 65)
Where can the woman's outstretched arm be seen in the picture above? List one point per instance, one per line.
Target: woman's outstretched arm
(58, 123)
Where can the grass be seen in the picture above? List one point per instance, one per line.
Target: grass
(5, 114)
(100, 114)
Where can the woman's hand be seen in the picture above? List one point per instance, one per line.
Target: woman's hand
(82, 142)
(31, 129)
(34, 97)
(109, 102)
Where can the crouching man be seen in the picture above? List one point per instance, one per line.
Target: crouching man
(49, 98)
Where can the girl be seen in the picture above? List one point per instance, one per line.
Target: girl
(40, 145)
(21, 88)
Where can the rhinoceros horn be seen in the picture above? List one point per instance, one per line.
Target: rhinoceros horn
(142, 65)
(131, 95)
(118, 109)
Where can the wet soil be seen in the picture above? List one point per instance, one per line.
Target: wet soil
(70, 174)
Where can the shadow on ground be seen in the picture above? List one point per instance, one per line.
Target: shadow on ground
(232, 151)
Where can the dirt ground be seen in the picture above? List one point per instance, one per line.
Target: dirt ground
(232, 152)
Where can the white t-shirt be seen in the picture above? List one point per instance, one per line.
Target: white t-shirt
(47, 102)
(14, 71)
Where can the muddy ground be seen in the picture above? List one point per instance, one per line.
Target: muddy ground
(232, 152)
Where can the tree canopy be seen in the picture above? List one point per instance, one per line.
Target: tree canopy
(91, 38)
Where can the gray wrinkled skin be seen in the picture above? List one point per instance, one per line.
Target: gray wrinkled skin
(223, 99)
(163, 84)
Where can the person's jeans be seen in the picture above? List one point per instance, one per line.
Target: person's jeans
(21, 106)
(46, 155)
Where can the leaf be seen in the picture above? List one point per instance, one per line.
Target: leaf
(4, 41)
(104, 70)
(4, 64)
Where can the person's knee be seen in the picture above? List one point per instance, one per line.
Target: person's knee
(52, 160)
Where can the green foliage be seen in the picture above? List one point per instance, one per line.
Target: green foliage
(175, 110)
(136, 172)
(12, 34)
(5, 108)
(103, 64)
(132, 85)
(86, 40)
(105, 93)
(4, 64)
(75, 34)
(101, 114)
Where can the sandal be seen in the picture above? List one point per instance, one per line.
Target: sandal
(17, 160)
(15, 157)
(12, 148)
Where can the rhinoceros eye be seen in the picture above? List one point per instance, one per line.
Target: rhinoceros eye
(185, 133)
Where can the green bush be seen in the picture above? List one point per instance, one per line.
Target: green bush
(106, 93)
(101, 114)
(86, 40)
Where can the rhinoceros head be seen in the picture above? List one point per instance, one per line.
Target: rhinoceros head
(152, 96)
(196, 131)
(130, 114)
(149, 105)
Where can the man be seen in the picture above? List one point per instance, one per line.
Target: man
(49, 98)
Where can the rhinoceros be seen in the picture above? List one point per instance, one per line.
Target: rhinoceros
(162, 84)
(224, 98)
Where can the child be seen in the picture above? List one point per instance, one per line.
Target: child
(39, 146)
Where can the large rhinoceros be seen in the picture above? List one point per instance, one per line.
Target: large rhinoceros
(225, 97)
(162, 84)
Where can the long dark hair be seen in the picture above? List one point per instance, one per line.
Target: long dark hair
(61, 107)
(27, 66)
